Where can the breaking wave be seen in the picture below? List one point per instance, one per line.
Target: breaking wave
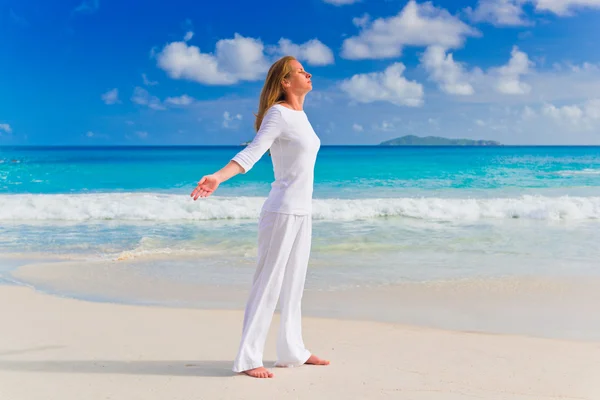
(171, 207)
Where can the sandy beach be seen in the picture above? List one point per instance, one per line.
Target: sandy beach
(413, 186)
(57, 348)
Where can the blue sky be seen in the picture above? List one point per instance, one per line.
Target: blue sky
(106, 72)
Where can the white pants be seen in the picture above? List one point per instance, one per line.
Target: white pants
(284, 243)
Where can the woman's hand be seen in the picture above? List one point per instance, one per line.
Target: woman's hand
(210, 183)
(206, 186)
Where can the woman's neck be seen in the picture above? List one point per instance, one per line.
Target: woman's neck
(294, 102)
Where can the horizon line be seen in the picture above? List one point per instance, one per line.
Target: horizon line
(324, 145)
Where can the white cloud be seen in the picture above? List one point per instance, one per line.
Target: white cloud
(142, 97)
(111, 97)
(479, 122)
(453, 78)
(508, 76)
(6, 128)
(183, 100)
(142, 134)
(341, 2)
(499, 12)
(313, 52)
(564, 7)
(449, 74)
(361, 22)
(234, 60)
(511, 13)
(415, 25)
(129, 122)
(585, 67)
(585, 115)
(546, 123)
(147, 81)
(388, 85)
(188, 36)
(572, 113)
(560, 84)
(567, 83)
(87, 7)
(357, 127)
(384, 126)
(95, 135)
(229, 119)
(554, 122)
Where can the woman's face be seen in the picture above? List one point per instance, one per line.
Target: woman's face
(298, 82)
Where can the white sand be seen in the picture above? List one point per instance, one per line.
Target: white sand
(63, 349)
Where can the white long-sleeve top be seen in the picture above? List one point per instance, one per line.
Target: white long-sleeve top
(294, 146)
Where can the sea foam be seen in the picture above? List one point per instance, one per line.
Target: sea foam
(171, 207)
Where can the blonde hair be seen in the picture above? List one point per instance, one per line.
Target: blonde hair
(272, 91)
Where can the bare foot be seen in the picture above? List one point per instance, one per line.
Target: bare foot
(260, 372)
(314, 360)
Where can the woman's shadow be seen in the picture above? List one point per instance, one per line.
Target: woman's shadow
(206, 368)
(162, 367)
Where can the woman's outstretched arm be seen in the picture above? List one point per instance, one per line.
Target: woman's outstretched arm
(243, 161)
(209, 183)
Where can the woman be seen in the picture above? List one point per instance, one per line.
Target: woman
(285, 226)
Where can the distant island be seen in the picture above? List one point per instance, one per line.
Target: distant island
(412, 140)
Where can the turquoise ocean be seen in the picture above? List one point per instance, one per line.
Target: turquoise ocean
(118, 224)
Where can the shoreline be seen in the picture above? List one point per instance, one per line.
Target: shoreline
(76, 349)
(560, 307)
